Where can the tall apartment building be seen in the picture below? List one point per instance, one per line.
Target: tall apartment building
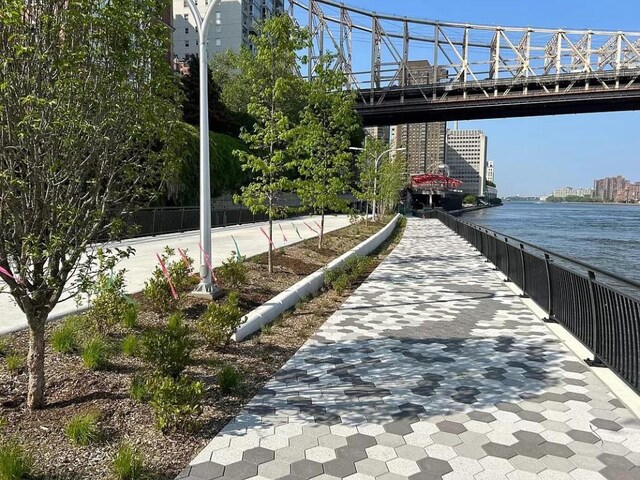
(232, 23)
(573, 192)
(425, 142)
(617, 189)
(466, 157)
(383, 134)
(491, 176)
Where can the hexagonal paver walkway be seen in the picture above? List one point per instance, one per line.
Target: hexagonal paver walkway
(432, 369)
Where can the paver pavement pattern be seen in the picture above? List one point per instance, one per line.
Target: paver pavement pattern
(432, 369)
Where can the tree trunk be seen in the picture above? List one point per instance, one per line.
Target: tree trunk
(270, 244)
(35, 364)
(321, 236)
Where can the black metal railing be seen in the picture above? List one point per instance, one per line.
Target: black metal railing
(160, 221)
(600, 308)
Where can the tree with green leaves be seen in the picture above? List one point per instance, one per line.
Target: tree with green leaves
(274, 88)
(321, 141)
(366, 186)
(392, 180)
(87, 105)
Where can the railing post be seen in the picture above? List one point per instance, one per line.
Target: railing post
(596, 361)
(182, 220)
(506, 251)
(524, 273)
(153, 223)
(496, 252)
(547, 263)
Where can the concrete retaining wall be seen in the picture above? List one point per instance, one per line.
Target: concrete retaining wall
(309, 285)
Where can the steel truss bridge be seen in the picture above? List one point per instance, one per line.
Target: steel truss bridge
(408, 70)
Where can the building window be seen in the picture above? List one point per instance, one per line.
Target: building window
(218, 29)
(186, 43)
(217, 42)
(218, 19)
(186, 30)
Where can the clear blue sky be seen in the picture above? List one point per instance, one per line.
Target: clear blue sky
(535, 155)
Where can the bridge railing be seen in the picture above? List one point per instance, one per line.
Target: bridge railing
(600, 308)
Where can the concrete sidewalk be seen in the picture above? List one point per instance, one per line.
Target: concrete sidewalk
(432, 369)
(251, 241)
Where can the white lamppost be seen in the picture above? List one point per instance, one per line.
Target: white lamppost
(206, 286)
(375, 173)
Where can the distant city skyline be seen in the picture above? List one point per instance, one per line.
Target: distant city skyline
(534, 156)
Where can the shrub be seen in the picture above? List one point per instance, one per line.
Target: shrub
(96, 353)
(176, 403)
(130, 345)
(138, 390)
(229, 379)
(4, 347)
(83, 429)
(157, 291)
(3, 423)
(15, 462)
(110, 305)
(233, 272)
(168, 350)
(127, 463)
(218, 324)
(130, 315)
(340, 279)
(15, 362)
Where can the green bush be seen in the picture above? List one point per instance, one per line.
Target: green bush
(15, 362)
(130, 318)
(138, 390)
(96, 353)
(127, 463)
(157, 291)
(130, 345)
(3, 423)
(233, 273)
(4, 347)
(341, 278)
(83, 429)
(229, 379)
(109, 305)
(218, 324)
(176, 403)
(15, 462)
(168, 350)
(68, 336)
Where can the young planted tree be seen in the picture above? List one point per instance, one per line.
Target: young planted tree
(322, 138)
(275, 88)
(392, 180)
(87, 103)
(367, 182)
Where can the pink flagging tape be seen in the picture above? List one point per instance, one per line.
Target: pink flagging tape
(207, 261)
(267, 235)
(283, 235)
(185, 259)
(318, 225)
(7, 273)
(310, 227)
(167, 276)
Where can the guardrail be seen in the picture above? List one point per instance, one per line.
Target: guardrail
(600, 308)
(160, 221)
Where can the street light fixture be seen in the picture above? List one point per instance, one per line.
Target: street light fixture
(206, 286)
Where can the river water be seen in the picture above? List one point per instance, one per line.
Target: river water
(605, 236)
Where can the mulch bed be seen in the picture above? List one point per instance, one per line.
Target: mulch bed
(72, 388)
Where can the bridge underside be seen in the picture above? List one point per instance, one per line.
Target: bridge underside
(394, 106)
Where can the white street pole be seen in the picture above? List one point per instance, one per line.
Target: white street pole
(375, 177)
(206, 286)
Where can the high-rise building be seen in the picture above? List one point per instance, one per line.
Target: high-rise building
(232, 23)
(491, 172)
(425, 142)
(379, 133)
(466, 157)
(617, 189)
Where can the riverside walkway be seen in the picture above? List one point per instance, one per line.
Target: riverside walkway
(432, 369)
(250, 239)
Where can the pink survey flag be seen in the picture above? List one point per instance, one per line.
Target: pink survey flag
(267, 235)
(310, 227)
(207, 261)
(7, 273)
(186, 261)
(283, 235)
(167, 276)
(318, 225)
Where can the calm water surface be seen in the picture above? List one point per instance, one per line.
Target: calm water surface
(605, 236)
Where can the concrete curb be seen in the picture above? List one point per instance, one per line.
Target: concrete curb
(309, 285)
